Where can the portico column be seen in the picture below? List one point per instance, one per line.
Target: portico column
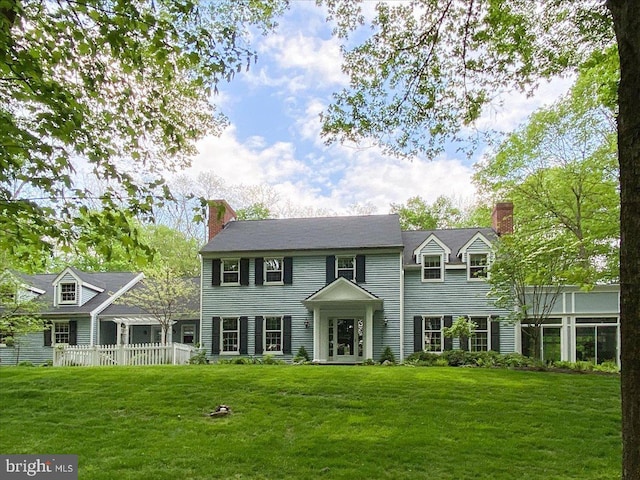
(316, 334)
(368, 334)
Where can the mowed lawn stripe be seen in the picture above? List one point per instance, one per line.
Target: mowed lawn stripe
(309, 422)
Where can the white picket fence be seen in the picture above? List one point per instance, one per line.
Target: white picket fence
(132, 354)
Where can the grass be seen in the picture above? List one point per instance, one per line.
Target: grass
(311, 422)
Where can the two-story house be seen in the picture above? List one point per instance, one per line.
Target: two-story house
(344, 288)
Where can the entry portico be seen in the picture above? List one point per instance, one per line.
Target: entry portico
(342, 322)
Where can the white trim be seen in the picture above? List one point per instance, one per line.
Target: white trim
(417, 253)
(401, 303)
(264, 271)
(442, 263)
(222, 271)
(478, 236)
(238, 330)
(60, 293)
(264, 335)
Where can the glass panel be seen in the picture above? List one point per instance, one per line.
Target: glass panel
(433, 334)
(273, 341)
(585, 344)
(530, 341)
(331, 338)
(188, 334)
(479, 342)
(607, 344)
(229, 323)
(478, 265)
(360, 338)
(597, 320)
(551, 349)
(273, 323)
(273, 268)
(345, 334)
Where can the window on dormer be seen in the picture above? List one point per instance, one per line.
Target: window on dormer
(67, 293)
(478, 266)
(431, 267)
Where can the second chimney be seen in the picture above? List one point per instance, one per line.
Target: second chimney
(220, 213)
(502, 218)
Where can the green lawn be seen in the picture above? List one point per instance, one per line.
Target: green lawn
(310, 422)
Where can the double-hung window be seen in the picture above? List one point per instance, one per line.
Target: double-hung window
(230, 272)
(230, 335)
(432, 268)
(61, 332)
(273, 270)
(480, 341)
(273, 334)
(432, 334)
(346, 267)
(188, 334)
(478, 266)
(67, 293)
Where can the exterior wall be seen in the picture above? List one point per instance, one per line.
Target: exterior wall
(31, 347)
(456, 296)
(309, 275)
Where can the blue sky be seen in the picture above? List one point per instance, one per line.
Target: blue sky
(274, 133)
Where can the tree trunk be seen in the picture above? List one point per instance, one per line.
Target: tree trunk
(626, 19)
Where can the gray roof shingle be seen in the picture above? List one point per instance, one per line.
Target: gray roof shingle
(454, 238)
(295, 234)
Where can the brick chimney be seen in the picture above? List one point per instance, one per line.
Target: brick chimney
(502, 218)
(220, 213)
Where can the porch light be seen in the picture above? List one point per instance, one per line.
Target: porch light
(386, 321)
(306, 324)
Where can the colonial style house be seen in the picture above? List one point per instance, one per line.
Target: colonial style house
(345, 288)
(81, 310)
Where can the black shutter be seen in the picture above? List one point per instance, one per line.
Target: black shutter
(244, 271)
(360, 268)
(286, 334)
(448, 341)
(258, 335)
(215, 344)
(244, 335)
(288, 270)
(331, 268)
(47, 334)
(215, 272)
(418, 340)
(73, 332)
(259, 269)
(495, 335)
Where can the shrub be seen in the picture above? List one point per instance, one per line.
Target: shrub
(302, 356)
(369, 361)
(388, 356)
(271, 360)
(25, 364)
(199, 358)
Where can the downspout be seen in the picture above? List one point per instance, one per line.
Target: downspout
(401, 307)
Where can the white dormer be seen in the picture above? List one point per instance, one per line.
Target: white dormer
(69, 289)
(432, 255)
(477, 255)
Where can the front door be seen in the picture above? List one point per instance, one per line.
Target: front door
(345, 340)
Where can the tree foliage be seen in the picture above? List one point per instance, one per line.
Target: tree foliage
(119, 90)
(561, 172)
(165, 295)
(418, 214)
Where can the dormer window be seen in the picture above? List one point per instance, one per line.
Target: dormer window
(478, 266)
(432, 268)
(67, 293)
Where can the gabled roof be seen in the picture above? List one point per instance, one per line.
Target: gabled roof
(322, 233)
(80, 277)
(108, 282)
(455, 239)
(342, 290)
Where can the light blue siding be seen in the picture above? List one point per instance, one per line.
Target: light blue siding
(456, 296)
(382, 280)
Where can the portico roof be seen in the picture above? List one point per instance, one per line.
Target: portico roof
(342, 291)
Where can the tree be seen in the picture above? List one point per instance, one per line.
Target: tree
(116, 89)
(165, 295)
(19, 311)
(428, 68)
(417, 214)
(462, 329)
(255, 211)
(527, 275)
(560, 171)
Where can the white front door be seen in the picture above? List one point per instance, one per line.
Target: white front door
(345, 339)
